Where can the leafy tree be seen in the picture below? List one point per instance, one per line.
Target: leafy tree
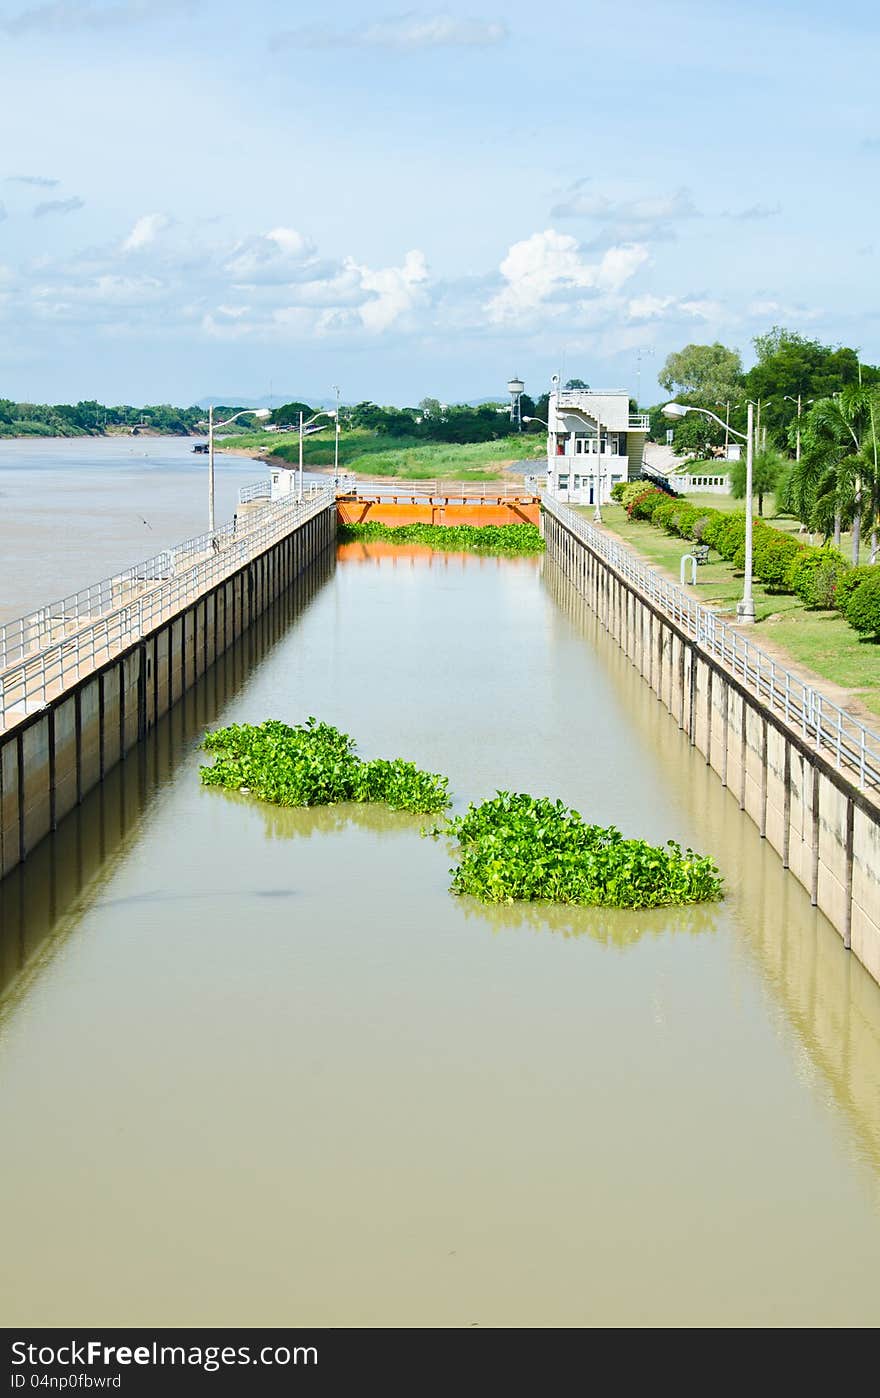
(288, 414)
(767, 467)
(577, 383)
(705, 375)
(790, 366)
(696, 435)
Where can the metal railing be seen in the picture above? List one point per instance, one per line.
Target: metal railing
(46, 651)
(820, 722)
(257, 490)
(427, 490)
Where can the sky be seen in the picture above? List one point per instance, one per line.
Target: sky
(204, 198)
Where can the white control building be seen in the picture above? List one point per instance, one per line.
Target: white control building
(593, 443)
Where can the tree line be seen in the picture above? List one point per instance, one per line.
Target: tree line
(91, 419)
(817, 419)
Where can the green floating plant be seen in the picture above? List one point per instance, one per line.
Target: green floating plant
(514, 848)
(314, 764)
(523, 848)
(475, 538)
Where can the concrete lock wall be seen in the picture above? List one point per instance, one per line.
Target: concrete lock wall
(824, 827)
(51, 759)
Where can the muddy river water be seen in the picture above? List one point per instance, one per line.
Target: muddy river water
(259, 1066)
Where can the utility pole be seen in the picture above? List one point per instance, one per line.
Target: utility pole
(640, 355)
(211, 469)
(336, 453)
(300, 455)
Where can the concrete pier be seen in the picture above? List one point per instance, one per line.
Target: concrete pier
(823, 823)
(77, 705)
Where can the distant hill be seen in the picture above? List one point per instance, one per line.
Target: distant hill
(277, 399)
(263, 400)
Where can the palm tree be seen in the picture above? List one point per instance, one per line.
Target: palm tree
(767, 469)
(838, 471)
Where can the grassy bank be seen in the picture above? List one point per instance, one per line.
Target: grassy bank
(821, 640)
(372, 454)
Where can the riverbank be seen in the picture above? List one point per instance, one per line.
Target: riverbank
(818, 646)
(371, 454)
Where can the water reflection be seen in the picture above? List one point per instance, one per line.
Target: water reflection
(610, 927)
(829, 1001)
(42, 900)
(306, 822)
(402, 556)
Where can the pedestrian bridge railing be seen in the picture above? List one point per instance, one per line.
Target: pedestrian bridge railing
(46, 651)
(257, 490)
(840, 737)
(465, 491)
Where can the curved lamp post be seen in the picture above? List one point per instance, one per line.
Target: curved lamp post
(261, 413)
(323, 412)
(549, 467)
(745, 608)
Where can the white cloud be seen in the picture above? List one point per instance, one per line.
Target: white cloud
(394, 291)
(59, 206)
(780, 310)
(673, 308)
(66, 16)
(404, 32)
(274, 257)
(640, 209)
(548, 273)
(648, 307)
(145, 231)
(754, 211)
(42, 181)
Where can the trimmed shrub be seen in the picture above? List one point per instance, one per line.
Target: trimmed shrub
(631, 490)
(684, 519)
(815, 576)
(730, 536)
(711, 530)
(773, 555)
(863, 605)
(850, 582)
(664, 513)
(644, 505)
(618, 489)
(700, 523)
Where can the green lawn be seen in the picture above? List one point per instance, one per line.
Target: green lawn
(373, 454)
(821, 640)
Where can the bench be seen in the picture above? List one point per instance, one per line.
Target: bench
(701, 552)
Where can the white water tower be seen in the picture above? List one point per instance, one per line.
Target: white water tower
(516, 388)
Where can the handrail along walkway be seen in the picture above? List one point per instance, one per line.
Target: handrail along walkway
(44, 652)
(833, 732)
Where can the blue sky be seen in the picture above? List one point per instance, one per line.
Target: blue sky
(198, 196)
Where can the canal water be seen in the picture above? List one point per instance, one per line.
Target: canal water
(259, 1066)
(75, 510)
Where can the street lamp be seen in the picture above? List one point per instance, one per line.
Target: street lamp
(336, 452)
(799, 401)
(323, 412)
(745, 608)
(551, 446)
(261, 413)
